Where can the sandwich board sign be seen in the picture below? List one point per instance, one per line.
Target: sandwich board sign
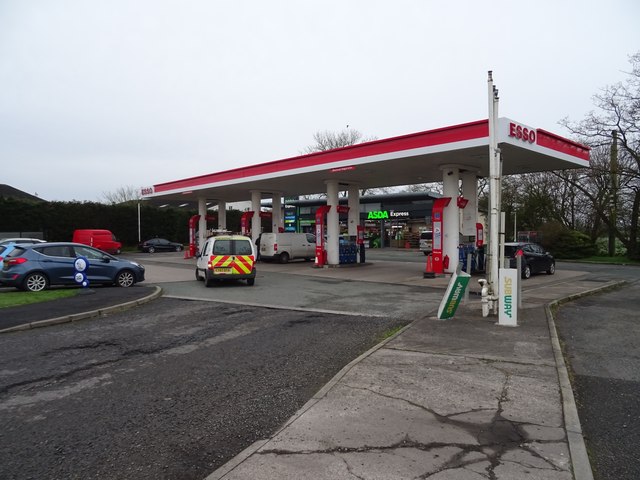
(453, 295)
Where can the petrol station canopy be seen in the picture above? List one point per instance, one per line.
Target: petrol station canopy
(404, 160)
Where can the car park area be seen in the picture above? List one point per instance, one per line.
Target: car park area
(172, 412)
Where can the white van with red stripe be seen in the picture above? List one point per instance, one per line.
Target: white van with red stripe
(226, 257)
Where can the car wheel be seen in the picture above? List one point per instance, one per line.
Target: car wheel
(179, 248)
(552, 268)
(251, 281)
(35, 282)
(284, 257)
(151, 249)
(125, 279)
(526, 271)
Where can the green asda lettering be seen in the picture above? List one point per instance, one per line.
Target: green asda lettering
(378, 215)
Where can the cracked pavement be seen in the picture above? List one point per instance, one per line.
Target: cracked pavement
(486, 406)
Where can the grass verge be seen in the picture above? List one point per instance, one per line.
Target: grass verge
(609, 260)
(390, 332)
(14, 299)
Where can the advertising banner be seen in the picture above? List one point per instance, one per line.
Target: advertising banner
(508, 297)
(453, 295)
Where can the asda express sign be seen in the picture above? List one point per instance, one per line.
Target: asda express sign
(386, 214)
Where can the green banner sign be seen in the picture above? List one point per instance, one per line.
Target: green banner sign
(453, 295)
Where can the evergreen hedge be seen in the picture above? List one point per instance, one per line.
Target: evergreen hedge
(58, 220)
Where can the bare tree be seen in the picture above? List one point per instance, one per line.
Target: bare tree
(618, 110)
(327, 140)
(122, 195)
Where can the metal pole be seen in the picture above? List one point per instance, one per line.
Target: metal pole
(502, 235)
(139, 232)
(494, 188)
(519, 268)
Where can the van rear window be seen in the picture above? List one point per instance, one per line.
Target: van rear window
(243, 247)
(222, 247)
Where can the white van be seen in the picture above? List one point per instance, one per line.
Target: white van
(426, 242)
(226, 257)
(287, 246)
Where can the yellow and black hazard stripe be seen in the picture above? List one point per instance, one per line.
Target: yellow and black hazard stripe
(239, 264)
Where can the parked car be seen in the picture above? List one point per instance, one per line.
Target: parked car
(159, 245)
(5, 249)
(36, 267)
(534, 258)
(287, 246)
(4, 241)
(426, 242)
(98, 238)
(226, 257)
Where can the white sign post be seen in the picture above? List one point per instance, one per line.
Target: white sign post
(508, 297)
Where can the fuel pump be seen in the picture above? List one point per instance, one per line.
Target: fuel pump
(360, 241)
(437, 211)
(321, 255)
(245, 223)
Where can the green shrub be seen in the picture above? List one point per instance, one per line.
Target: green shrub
(571, 244)
(602, 244)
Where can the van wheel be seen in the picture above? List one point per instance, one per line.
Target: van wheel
(208, 281)
(284, 257)
(426, 254)
(198, 277)
(251, 281)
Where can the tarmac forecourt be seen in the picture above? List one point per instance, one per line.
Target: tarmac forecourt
(458, 397)
(462, 397)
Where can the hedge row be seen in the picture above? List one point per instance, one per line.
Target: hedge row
(58, 220)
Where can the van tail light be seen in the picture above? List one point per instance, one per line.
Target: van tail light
(16, 261)
(275, 247)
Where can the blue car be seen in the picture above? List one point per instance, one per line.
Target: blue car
(38, 266)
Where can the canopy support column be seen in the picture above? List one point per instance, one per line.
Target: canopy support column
(450, 214)
(333, 226)
(354, 209)
(222, 215)
(202, 221)
(256, 221)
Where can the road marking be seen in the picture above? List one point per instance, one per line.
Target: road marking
(279, 307)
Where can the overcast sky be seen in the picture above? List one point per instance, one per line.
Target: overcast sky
(97, 95)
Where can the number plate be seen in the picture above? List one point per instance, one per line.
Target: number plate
(221, 270)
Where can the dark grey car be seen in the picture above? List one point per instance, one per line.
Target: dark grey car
(160, 245)
(534, 258)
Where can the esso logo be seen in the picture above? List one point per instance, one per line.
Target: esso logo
(522, 133)
(147, 190)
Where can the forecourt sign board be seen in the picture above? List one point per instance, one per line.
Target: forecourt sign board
(453, 295)
(508, 297)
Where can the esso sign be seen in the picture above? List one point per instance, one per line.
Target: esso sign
(147, 190)
(522, 133)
